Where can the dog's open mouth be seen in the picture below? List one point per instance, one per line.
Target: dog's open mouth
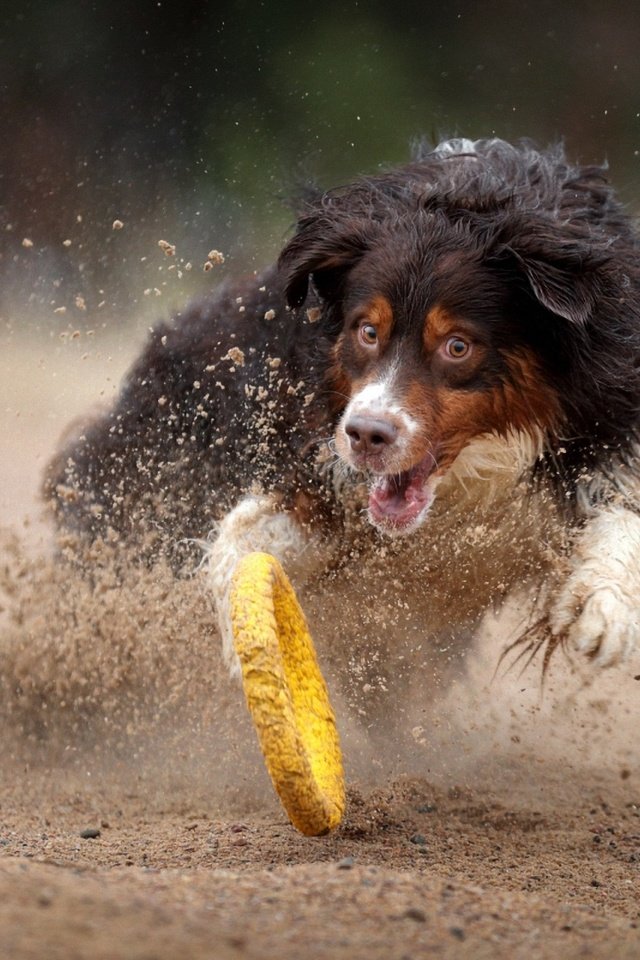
(399, 501)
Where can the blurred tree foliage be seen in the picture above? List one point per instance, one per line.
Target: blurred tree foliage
(197, 112)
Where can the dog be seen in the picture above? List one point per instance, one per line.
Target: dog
(433, 397)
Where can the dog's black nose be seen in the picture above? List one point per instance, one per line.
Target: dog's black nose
(369, 434)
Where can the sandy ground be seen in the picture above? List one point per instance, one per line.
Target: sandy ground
(498, 822)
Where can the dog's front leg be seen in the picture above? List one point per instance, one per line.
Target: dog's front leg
(598, 607)
(256, 523)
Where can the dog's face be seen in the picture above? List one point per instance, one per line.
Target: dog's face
(426, 359)
(440, 337)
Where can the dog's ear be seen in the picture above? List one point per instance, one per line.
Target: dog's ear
(564, 272)
(324, 248)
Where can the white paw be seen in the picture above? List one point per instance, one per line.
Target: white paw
(597, 619)
(256, 523)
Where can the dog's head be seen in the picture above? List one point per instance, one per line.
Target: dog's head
(454, 315)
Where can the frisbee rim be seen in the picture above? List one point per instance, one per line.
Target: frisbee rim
(286, 695)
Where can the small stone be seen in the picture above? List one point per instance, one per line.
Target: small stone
(415, 913)
(457, 932)
(346, 863)
(117, 225)
(91, 833)
(419, 839)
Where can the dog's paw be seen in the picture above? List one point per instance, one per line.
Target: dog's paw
(596, 620)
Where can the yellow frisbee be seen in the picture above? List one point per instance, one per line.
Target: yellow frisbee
(287, 696)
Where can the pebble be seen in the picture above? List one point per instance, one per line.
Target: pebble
(419, 839)
(91, 833)
(415, 913)
(346, 863)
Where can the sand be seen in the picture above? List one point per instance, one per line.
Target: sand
(499, 820)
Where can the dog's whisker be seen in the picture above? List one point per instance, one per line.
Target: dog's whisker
(338, 393)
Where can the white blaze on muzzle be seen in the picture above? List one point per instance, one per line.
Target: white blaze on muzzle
(379, 400)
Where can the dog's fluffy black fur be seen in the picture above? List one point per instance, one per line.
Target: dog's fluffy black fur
(243, 388)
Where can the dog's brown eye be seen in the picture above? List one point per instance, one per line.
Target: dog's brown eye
(456, 348)
(368, 334)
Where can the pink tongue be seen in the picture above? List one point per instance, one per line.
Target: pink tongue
(398, 500)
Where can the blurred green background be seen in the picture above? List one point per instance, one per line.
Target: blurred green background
(189, 121)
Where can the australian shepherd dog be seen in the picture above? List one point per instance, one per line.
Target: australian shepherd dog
(434, 395)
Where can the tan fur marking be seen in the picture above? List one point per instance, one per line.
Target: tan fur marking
(449, 418)
(530, 399)
(462, 416)
(527, 404)
(380, 313)
(438, 324)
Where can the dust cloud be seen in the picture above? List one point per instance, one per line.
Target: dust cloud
(110, 672)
